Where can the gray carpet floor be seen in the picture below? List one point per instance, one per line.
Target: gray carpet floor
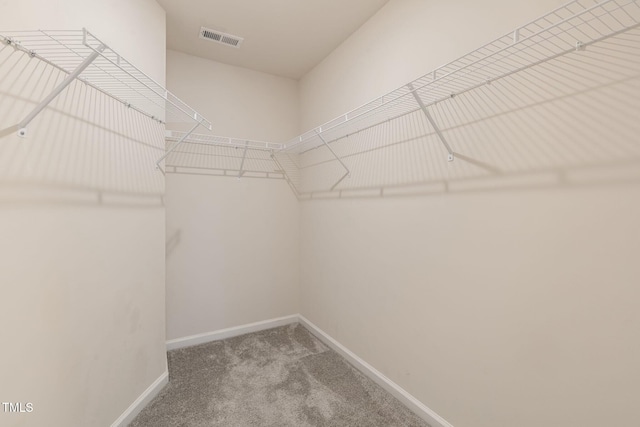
(276, 378)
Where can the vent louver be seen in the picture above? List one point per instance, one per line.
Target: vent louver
(220, 37)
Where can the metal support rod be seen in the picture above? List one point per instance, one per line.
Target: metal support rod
(184, 137)
(22, 131)
(334, 155)
(431, 121)
(244, 156)
(286, 175)
(339, 181)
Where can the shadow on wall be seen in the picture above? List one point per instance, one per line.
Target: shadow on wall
(571, 121)
(84, 149)
(173, 241)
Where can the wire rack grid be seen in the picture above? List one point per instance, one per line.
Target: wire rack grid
(109, 72)
(569, 28)
(222, 156)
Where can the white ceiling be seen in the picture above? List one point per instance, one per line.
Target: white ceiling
(282, 37)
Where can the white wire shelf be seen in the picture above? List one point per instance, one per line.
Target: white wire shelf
(221, 156)
(569, 28)
(222, 141)
(84, 57)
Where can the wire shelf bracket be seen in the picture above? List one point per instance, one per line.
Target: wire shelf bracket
(432, 122)
(286, 175)
(348, 172)
(177, 144)
(22, 126)
(244, 157)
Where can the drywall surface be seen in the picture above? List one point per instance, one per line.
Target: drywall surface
(499, 299)
(241, 103)
(232, 255)
(232, 244)
(492, 309)
(82, 227)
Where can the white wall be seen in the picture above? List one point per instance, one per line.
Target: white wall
(232, 255)
(82, 226)
(494, 304)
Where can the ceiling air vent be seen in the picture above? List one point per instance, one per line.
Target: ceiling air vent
(220, 37)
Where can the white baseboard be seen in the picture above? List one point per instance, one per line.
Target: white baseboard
(394, 389)
(143, 400)
(230, 332)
